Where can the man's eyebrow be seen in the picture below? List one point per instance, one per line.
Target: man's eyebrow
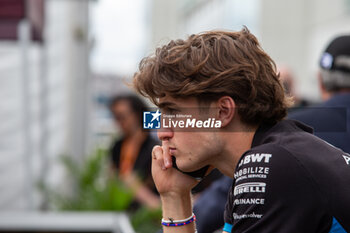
(166, 105)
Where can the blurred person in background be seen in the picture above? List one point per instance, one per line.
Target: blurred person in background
(210, 206)
(130, 155)
(331, 118)
(288, 81)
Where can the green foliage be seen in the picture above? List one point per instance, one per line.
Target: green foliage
(95, 189)
(146, 221)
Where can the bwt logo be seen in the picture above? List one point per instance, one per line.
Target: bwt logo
(151, 120)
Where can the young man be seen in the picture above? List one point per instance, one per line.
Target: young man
(328, 119)
(284, 178)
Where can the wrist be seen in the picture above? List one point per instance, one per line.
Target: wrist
(175, 195)
(176, 206)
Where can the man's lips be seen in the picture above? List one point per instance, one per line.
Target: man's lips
(172, 150)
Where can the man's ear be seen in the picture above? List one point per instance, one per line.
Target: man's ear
(323, 91)
(226, 110)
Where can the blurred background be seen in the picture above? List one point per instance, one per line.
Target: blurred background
(62, 60)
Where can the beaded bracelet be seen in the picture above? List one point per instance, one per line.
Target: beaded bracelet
(175, 223)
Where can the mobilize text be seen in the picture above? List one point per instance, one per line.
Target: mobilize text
(252, 170)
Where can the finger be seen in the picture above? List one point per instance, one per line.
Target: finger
(157, 154)
(154, 155)
(167, 155)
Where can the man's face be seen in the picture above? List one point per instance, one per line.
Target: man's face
(125, 117)
(192, 148)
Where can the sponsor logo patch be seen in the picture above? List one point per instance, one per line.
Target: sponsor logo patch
(251, 171)
(253, 187)
(252, 215)
(347, 159)
(255, 158)
(250, 201)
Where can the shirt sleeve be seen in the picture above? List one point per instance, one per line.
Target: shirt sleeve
(229, 207)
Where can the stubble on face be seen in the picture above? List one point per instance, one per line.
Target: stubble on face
(195, 148)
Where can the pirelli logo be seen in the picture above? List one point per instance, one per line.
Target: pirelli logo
(253, 187)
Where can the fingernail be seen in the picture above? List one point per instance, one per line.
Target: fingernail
(167, 163)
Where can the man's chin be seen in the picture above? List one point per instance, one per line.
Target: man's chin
(187, 167)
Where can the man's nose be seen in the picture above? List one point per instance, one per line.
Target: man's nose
(165, 134)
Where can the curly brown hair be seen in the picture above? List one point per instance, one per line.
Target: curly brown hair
(213, 64)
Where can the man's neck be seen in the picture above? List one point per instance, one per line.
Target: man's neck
(235, 144)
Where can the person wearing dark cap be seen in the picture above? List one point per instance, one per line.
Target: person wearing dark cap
(331, 118)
